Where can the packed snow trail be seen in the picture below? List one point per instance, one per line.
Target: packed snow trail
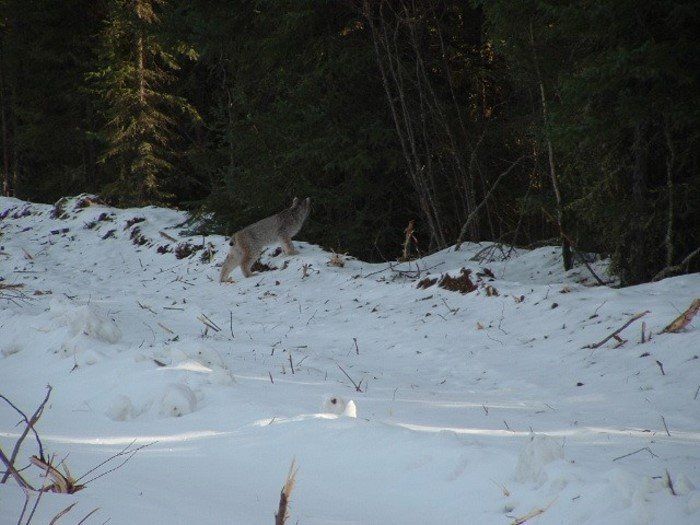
(474, 408)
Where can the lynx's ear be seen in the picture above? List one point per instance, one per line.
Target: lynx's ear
(307, 201)
(295, 202)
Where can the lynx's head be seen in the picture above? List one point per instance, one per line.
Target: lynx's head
(301, 207)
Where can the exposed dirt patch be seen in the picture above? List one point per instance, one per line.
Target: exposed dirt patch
(185, 249)
(259, 266)
(132, 221)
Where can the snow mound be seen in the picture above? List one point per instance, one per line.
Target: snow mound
(10, 348)
(178, 400)
(87, 320)
(121, 409)
(82, 349)
(537, 453)
(209, 357)
(693, 504)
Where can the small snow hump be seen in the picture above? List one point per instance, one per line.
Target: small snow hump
(90, 321)
(539, 452)
(339, 406)
(178, 400)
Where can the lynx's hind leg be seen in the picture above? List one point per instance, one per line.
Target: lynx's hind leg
(232, 260)
(288, 247)
(247, 260)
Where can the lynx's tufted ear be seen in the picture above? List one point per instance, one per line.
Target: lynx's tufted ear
(295, 202)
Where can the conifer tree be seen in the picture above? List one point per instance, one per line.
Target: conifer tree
(136, 73)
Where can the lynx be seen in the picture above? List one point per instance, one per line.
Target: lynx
(248, 243)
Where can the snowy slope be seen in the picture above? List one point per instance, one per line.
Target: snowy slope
(474, 408)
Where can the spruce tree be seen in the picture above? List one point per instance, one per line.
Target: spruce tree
(135, 78)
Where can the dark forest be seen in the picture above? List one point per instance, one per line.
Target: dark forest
(525, 123)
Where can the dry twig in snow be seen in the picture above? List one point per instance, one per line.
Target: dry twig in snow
(614, 334)
(286, 494)
(29, 426)
(684, 319)
(532, 514)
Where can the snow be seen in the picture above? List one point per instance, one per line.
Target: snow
(473, 408)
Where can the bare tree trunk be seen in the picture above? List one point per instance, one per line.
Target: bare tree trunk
(141, 59)
(670, 160)
(14, 153)
(469, 175)
(6, 185)
(565, 248)
(633, 250)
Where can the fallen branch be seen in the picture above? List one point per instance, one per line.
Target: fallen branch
(684, 319)
(532, 514)
(14, 295)
(412, 274)
(663, 420)
(636, 452)
(669, 483)
(678, 268)
(614, 334)
(8, 286)
(165, 328)
(146, 307)
(166, 236)
(208, 322)
(356, 385)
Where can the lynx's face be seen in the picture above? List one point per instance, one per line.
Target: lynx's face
(302, 207)
(306, 206)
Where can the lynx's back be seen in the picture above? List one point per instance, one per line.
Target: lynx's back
(283, 225)
(261, 233)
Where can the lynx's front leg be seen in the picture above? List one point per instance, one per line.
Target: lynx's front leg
(288, 247)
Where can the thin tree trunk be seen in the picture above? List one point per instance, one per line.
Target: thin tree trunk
(565, 248)
(410, 157)
(469, 175)
(670, 160)
(140, 67)
(14, 152)
(438, 113)
(6, 185)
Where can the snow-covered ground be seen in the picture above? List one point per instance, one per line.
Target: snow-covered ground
(474, 408)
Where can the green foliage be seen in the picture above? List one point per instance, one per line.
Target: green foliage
(47, 114)
(141, 114)
(622, 79)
